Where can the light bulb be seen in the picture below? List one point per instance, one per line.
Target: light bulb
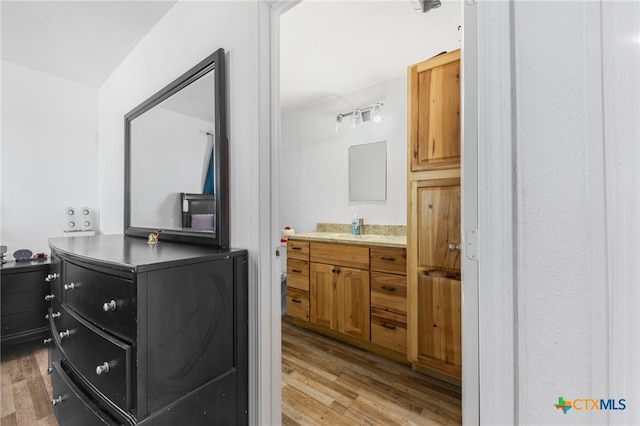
(356, 118)
(376, 113)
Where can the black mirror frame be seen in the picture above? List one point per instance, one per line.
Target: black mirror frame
(215, 61)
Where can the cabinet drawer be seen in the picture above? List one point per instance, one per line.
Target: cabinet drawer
(389, 292)
(340, 254)
(298, 304)
(298, 274)
(385, 259)
(389, 330)
(71, 406)
(107, 301)
(298, 250)
(87, 348)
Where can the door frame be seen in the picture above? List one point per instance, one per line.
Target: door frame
(488, 213)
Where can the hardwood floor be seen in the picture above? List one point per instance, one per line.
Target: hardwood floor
(26, 386)
(326, 382)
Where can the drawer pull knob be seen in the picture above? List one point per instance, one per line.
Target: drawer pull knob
(389, 326)
(455, 247)
(102, 368)
(69, 286)
(48, 340)
(386, 287)
(296, 248)
(56, 401)
(64, 334)
(297, 271)
(56, 315)
(51, 277)
(388, 259)
(109, 306)
(296, 300)
(49, 297)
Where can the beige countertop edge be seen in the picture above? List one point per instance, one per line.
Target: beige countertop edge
(367, 240)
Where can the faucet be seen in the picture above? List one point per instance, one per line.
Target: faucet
(360, 226)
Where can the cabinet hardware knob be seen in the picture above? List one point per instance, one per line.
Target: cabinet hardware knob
(296, 248)
(386, 287)
(49, 370)
(51, 277)
(56, 401)
(297, 271)
(388, 259)
(389, 326)
(64, 334)
(296, 300)
(454, 247)
(102, 368)
(49, 297)
(56, 315)
(109, 306)
(69, 286)
(48, 340)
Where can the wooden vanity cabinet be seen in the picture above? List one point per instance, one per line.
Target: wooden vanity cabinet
(434, 112)
(298, 280)
(148, 335)
(356, 293)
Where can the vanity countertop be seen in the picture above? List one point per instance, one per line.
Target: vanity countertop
(366, 239)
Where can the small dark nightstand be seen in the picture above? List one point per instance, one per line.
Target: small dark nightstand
(23, 309)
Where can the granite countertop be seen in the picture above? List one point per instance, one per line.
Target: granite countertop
(366, 239)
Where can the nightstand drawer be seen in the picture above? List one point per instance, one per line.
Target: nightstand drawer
(107, 301)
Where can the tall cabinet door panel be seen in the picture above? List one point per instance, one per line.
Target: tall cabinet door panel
(434, 112)
(439, 324)
(354, 303)
(438, 224)
(323, 288)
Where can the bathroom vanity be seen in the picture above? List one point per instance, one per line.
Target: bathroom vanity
(147, 334)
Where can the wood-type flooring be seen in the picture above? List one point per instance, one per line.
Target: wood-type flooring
(324, 382)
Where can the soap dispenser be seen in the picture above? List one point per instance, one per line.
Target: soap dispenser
(355, 229)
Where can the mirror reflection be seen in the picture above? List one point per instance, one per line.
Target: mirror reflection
(173, 156)
(368, 172)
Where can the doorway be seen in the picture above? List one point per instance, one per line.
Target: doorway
(336, 95)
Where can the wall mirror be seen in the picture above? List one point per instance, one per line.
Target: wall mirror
(176, 159)
(368, 172)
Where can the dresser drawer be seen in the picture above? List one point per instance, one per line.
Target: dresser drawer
(340, 254)
(298, 304)
(107, 301)
(389, 330)
(298, 274)
(389, 292)
(387, 259)
(298, 250)
(88, 348)
(71, 405)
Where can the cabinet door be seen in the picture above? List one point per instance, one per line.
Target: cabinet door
(323, 285)
(434, 112)
(437, 224)
(353, 302)
(439, 324)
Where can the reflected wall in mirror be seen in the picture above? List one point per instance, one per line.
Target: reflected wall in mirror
(368, 172)
(175, 159)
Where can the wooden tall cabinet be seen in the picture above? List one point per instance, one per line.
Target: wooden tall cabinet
(434, 235)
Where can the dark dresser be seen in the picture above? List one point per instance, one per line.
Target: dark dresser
(147, 334)
(23, 309)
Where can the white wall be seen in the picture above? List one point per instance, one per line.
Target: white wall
(188, 33)
(314, 174)
(49, 155)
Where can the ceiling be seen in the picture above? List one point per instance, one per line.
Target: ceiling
(332, 48)
(83, 41)
(328, 48)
